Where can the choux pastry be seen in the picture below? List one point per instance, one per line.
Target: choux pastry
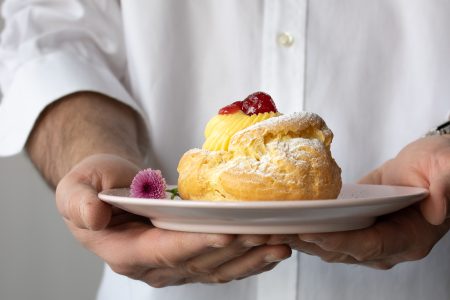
(253, 153)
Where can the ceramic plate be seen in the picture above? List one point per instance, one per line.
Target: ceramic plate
(356, 207)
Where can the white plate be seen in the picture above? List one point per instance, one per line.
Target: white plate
(356, 207)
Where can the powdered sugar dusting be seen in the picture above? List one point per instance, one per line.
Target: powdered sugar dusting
(301, 119)
(297, 152)
(296, 149)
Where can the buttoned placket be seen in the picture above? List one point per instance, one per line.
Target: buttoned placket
(283, 76)
(283, 58)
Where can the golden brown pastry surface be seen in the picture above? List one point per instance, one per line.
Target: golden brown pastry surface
(283, 158)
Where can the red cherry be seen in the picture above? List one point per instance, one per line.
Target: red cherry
(257, 103)
(231, 109)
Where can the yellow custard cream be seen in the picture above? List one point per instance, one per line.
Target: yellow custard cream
(221, 128)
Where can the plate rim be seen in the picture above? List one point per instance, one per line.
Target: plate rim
(414, 192)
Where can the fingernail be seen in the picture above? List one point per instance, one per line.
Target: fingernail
(311, 239)
(218, 245)
(270, 258)
(250, 244)
(218, 241)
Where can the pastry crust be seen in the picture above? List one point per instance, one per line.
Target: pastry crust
(282, 158)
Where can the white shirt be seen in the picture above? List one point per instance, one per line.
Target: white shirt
(378, 72)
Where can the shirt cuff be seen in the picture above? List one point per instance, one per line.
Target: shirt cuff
(38, 83)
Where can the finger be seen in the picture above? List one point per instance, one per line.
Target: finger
(173, 248)
(252, 262)
(435, 208)
(267, 268)
(379, 265)
(376, 242)
(135, 247)
(205, 263)
(279, 239)
(336, 257)
(328, 256)
(164, 278)
(159, 278)
(405, 235)
(294, 242)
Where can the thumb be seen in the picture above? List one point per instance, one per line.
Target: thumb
(78, 203)
(373, 177)
(76, 194)
(435, 208)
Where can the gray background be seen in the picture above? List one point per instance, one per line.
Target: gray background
(39, 258)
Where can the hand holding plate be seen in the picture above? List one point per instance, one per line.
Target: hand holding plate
(132, 246)
(408, 234)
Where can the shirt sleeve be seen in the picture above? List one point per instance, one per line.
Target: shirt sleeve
(52, 48)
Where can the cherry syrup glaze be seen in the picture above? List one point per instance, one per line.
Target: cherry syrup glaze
(255, 103)
(231, 109)
(258, 103)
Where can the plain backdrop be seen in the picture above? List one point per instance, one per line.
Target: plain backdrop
(39, 258)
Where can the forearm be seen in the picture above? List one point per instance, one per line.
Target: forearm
(80, 125)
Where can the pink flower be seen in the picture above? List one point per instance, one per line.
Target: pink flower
(148, 183)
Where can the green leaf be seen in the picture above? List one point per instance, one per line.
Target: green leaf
(174, 192)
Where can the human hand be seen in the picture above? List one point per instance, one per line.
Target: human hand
(135, 248)
(408, 234)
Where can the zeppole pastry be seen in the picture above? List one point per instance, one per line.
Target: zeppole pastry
(254, 153)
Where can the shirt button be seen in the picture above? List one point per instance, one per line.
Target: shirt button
(285, 39)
